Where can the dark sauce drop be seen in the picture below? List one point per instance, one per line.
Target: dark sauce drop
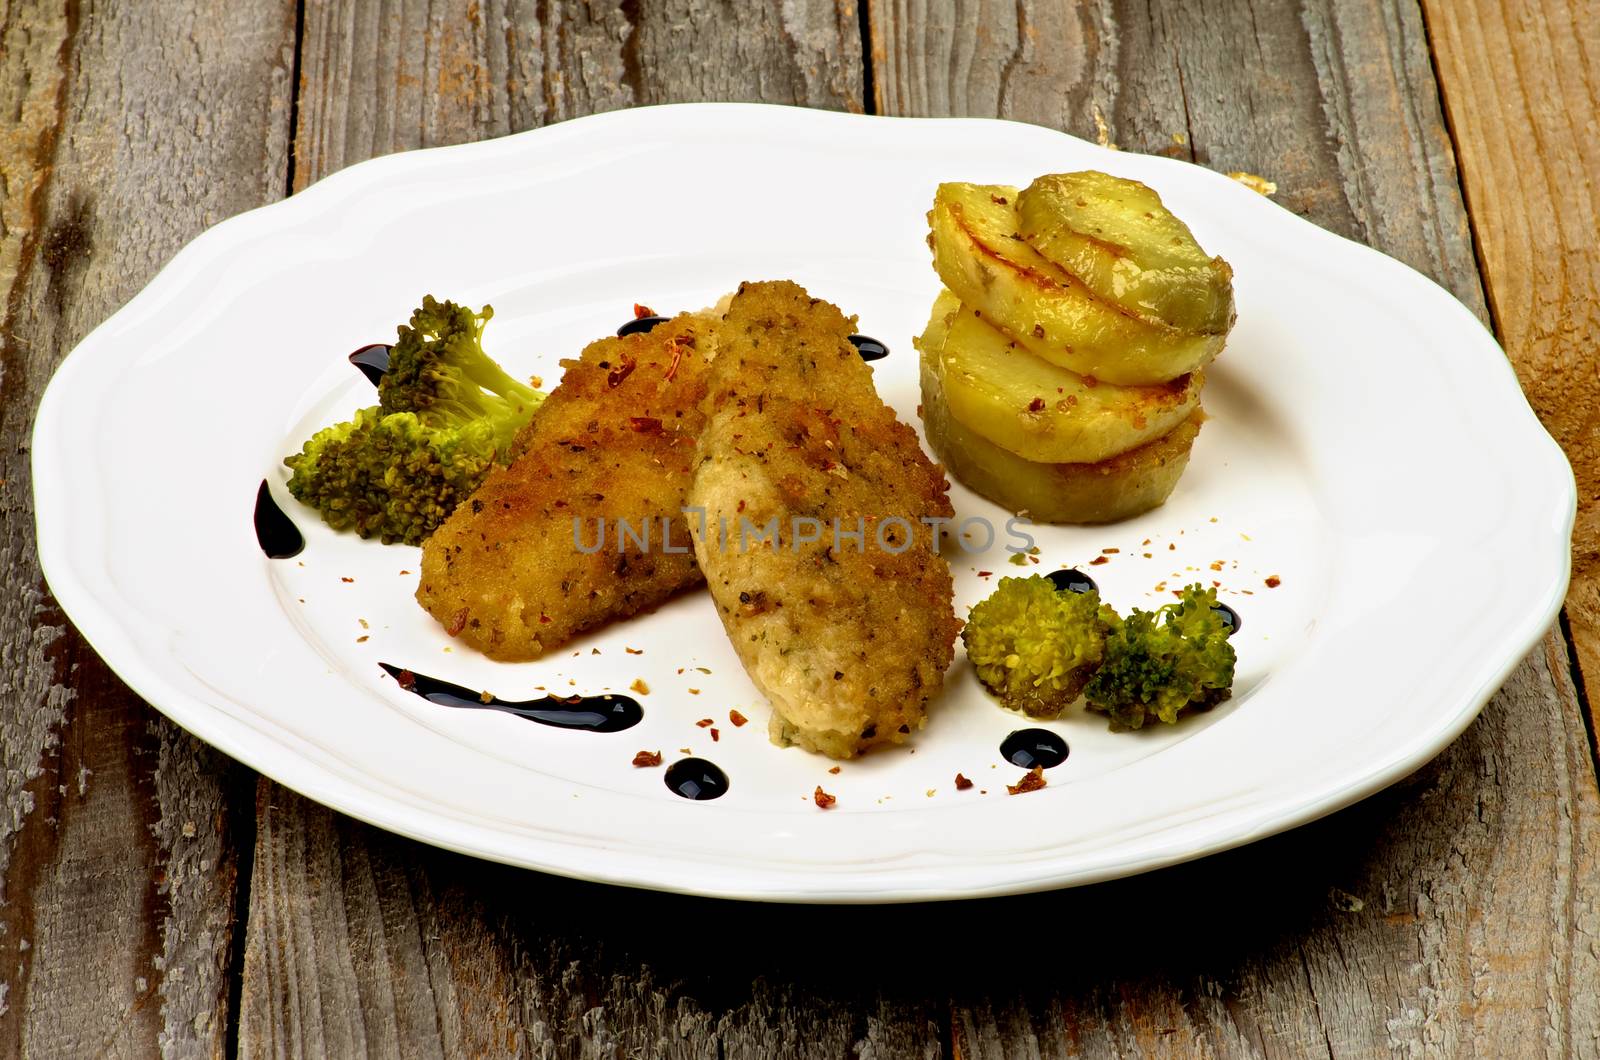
(276, 533)
(603, 713)
(869, 348)
(1229, 616)
(372, 361)
(697, 779)
(1072, 581)
(640, 324)
(1027, 748)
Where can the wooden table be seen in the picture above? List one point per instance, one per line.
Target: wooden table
(159, 897)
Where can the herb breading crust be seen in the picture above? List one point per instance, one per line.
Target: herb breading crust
(615, 439)
(848, 644)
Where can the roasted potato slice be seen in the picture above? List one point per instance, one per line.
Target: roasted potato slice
(980, 255)
(1117, 238)
(1043, 412)
(1119, 488)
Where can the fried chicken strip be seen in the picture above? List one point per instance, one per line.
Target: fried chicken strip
(849, 637)
(515, 570)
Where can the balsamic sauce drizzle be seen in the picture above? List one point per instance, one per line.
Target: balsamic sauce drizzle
(697, 779)
(603, 713)
(1034, 747)
(372, 361)
(1072, 581)
(276, 533)
(1229, 616)
(869, 348)
(639, 324)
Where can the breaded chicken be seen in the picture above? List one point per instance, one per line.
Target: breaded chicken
(849, 636)
(521, 566)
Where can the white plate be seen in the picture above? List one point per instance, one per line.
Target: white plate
(1369, 446)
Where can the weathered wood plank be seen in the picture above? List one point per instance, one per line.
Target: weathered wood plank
(128, 129)
(1522, 92)
(1476, 880)
(389, 76)
(363, 941)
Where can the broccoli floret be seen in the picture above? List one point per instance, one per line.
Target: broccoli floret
(1034, 645)
(397, 470)
(1163, 662)
(391, 477)
(438, 370)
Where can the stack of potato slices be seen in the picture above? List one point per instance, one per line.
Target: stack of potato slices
(1062, 366)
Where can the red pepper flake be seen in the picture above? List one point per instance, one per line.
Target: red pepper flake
(703, 722)
(1038, 331)
(347, 581)
(647, 758)
(694, 691)
(362, 639)
(986, 574)
(1099, 560)
(835, 770)
(737, 718)
(715, 735)
(1111, 551)
(642, 311)
(636, 651)
(405, 572)
(1274, 581)
(998, 200)
(1033, 780)
(1036, 405)
(1216, 564)
(1091, 382)
(822, 798)
(646, 425)
(406, 680)
(544, 620)
(962, 783)
(458, 622)
(639, 686)
(677, 355)
(615, 377)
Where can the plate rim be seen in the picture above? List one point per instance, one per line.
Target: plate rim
(99, 626)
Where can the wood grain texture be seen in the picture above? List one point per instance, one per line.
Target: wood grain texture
(363, 942)
(1521, 85)
(128, 128)
(1477, 927)
(387, 76)
(1454, 914)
